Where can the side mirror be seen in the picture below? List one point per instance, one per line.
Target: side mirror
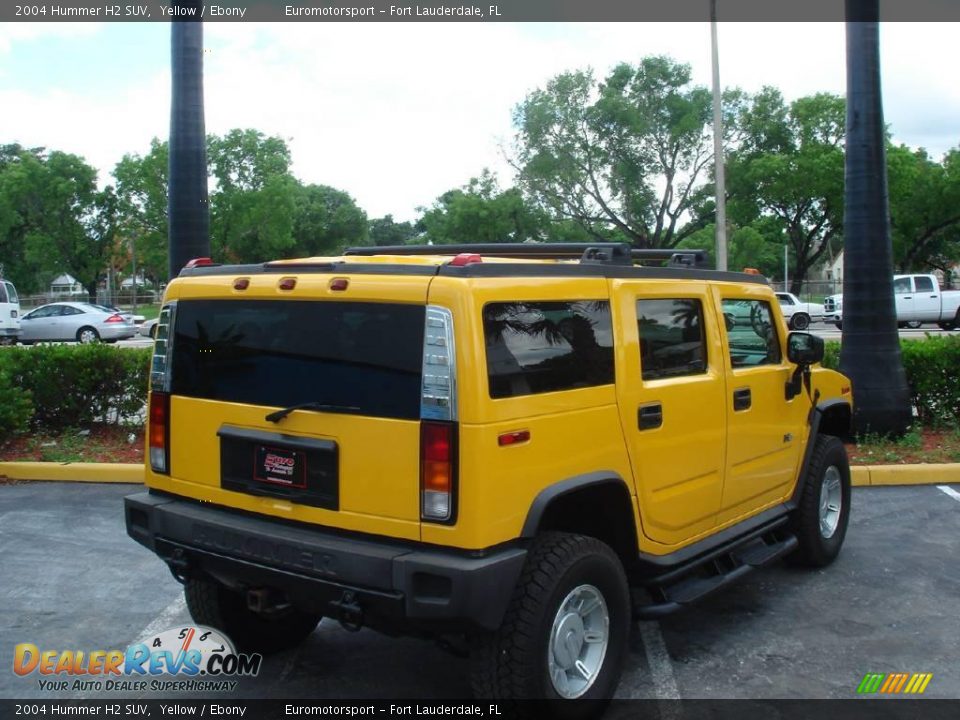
(804, 349)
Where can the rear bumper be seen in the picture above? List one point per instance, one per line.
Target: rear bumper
(377, 582)
(117, 331)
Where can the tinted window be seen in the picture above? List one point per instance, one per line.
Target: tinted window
(12, 293)
(671, 338)
(924, 284)
(365, 358)
(538, 347)
(751, 333)
(3, 293)
(901, 285)
(784, 299)
(70, 310)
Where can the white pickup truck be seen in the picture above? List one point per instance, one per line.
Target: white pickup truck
(9, 313)
(919, 300)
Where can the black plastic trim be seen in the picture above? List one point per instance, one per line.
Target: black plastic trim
(720, 542)
(261, 436)
(816, 414)
(475, 588)
(338, 267)
(546, 496)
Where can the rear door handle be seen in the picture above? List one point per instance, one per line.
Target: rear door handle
(741, 399)
(650, 416)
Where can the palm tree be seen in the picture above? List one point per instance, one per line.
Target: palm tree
(870, 352)
(188, 209)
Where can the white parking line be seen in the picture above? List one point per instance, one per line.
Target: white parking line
(661, 670)
(163, 621)
(949, 491)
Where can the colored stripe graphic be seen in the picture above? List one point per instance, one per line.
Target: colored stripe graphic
(894, 683)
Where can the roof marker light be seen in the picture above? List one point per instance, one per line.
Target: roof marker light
(466, 259)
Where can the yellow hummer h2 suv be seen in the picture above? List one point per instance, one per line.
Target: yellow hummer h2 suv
(519, 447)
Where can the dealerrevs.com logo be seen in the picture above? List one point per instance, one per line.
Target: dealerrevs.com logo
(201, 658)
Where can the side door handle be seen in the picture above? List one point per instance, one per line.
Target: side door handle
(650, 416)
(741, 399)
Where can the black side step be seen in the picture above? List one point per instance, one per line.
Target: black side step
(674, 590)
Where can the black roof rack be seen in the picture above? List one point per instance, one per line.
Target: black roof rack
(604, 253)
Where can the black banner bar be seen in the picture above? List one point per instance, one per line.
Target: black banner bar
(473, 11)
(893, 708)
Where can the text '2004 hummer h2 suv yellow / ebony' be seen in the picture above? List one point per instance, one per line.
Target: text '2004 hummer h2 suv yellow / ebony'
(497, 444)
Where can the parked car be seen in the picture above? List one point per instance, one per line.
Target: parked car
(486, 445)
(74, 321)
(149, 328)
(9, 313)
(798, 314)
(919, 300)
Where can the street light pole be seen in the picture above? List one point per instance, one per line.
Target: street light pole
(718, 169)
(786, 279)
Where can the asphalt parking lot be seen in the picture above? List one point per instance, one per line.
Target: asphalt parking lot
(72, 579)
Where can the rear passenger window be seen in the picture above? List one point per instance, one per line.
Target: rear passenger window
(538, 347)
(671, 338)
(751, 333)
(924, 284)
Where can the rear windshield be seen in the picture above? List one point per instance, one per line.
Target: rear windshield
(359, 358)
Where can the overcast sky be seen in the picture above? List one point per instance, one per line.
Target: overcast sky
(396, 114)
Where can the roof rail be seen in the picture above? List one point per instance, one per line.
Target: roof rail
(600, 253)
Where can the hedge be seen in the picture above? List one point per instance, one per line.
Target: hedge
(933, 373)
(56, 386)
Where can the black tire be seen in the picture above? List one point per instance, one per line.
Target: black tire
(87, 335)
(950, 324)
(213, 604)
(153, 332)
(828, 462)
(839, 326)
(512, 663)
(800, 321)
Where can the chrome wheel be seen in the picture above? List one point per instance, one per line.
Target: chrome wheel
(87, 336)
(831, 502)
(578, 641)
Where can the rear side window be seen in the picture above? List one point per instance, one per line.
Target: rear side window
(12, 293)
(3, 293)
(924, 284)
(359, 358)
(671, 338)
(539, 347)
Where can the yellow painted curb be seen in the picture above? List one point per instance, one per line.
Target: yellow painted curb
(926, 474)
(73, 472)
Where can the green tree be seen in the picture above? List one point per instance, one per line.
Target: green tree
(628, 158)
(142, 195)
(480, 212)
(924, 208)
(789, 168)
(53, 219)
(326, 220)
(252, 210)
(386, 231)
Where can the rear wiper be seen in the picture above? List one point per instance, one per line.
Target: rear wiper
(279, 415)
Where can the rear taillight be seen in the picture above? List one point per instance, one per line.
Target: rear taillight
(158, 433)
(114, 319)
(438, 419)
(438, 461)
(163, 349)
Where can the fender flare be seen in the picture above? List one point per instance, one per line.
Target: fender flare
(559, 489)
(816, 415)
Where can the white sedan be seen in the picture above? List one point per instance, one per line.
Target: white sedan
(75, 321)
(799, 315)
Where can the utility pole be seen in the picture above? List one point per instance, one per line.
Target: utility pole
(718, 162)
